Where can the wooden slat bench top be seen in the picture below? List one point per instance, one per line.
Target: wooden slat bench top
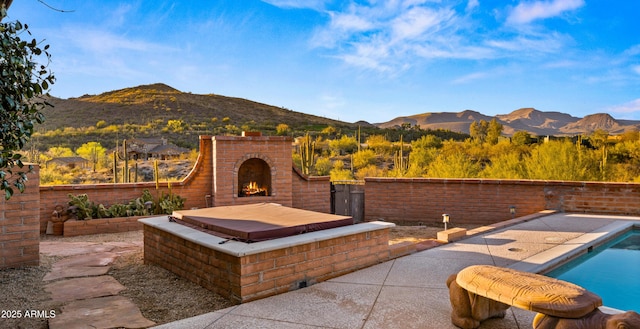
(529, 291)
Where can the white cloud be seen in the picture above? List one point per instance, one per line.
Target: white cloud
(419, 21)
(561, 64)
(633, 51)
(530, 44)
(100, 41)
(629, 107)
(382, 36)
(456, 51)
(526, 12)
(470, 78)
(472, 4)
(312, 4)
(390, 36)
(636, 69)
(332, 101)
(350, 22)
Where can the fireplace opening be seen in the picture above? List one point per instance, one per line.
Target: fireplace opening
(254, 178)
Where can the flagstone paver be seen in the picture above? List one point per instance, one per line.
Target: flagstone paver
(75, 272)
(83, 288)
(65, 249)
(93, 259)
(102, 312)
(79, 280)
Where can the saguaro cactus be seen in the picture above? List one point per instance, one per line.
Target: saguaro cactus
(125, 169)
(307, 154)
(399, 163)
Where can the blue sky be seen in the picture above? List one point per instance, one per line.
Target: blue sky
(354, 60)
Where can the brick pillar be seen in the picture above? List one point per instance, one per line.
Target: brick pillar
(20, 226)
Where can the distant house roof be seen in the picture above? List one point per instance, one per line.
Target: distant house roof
(168, 149)
(147, 141)
(69, 161)
(154, 147)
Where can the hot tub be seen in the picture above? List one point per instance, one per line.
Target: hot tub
(259, 222)
(322, 247)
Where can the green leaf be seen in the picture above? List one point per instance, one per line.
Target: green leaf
(8, 192)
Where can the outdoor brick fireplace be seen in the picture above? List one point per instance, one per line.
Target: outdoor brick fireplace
(253, 243)
(252, 168)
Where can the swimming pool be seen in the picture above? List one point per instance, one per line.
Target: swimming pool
(612, 271)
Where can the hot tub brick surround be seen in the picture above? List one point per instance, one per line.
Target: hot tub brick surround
(262, 274)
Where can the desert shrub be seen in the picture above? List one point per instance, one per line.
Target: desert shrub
(370, 171)
(363, 159)
(560, 160)
(380, 144)
(323, 166)
(55, 175)
(457, 165)
(507, 165)
(282, 129)
(339, 173)
(344, 145)
(427, 142)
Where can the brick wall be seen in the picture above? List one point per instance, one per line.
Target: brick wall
(19, 226)
(311, 192)
(221, 155)
(102, 225)
(479, 201)
(251, 277)
(195, 187)
(594, 197)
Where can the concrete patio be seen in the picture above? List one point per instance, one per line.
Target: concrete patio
(411, 292)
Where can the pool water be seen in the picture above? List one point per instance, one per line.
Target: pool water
(612, 271)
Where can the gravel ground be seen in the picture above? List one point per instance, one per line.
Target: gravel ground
(161, 295)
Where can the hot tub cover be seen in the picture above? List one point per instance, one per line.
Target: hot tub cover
(261, 221)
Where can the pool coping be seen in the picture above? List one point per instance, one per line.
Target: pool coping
(559, 255)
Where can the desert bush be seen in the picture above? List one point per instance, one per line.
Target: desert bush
(457, 165)
(560, 160)
(283, 129)
(380, 144)
(370, 171)
(323, 166)
(364, 158)
(344, 145)
(339, 173)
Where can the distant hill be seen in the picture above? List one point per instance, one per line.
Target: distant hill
(145, 111)
(458, 122)
(147, 103)
(525, 119)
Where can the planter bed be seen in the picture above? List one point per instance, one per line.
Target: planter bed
(102, 225)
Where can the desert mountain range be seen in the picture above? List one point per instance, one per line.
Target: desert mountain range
(149, 103)
(528, 119)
